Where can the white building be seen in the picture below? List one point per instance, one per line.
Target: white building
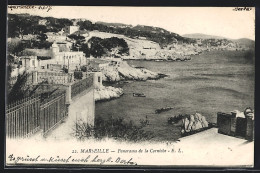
(67, 58)
(29, 62)
(58, 54)
(71, 29)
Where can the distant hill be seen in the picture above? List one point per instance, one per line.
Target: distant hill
(202, 36)
(113, 24)
(245, 42)
(152, 29)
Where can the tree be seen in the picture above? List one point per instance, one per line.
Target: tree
(15, 47)
(96, 49)
(78, 39)
(85, 25)
(115, 44)
(42, 37)
(39, 29)
(99, 47)
(85, 49)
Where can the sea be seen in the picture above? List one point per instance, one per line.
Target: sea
(214, 81)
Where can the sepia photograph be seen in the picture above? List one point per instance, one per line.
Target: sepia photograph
(94, 86)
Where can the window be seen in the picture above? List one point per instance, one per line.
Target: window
(98, 78)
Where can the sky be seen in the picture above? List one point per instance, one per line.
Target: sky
(219, 21)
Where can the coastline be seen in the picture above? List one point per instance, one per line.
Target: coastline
(124, 73)
(121, 73)
(186, 89)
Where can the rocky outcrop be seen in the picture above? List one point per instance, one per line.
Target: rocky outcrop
(193, 123)
(173, 52)
(110, 74)
(122, 71)
(190, 123)
(107, 93)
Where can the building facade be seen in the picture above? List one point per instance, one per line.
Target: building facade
(69, 59)
(29, 62)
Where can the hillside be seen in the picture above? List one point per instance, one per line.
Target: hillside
(113, 24)
(146, 49)
(22, 25)
(245, 42)
(202, 36)
(134, 42)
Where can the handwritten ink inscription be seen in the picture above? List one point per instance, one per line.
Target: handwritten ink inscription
(242, 9)
(100, 156)
(41, 7)
(96, 159)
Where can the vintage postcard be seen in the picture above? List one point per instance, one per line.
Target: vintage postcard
(95, 86)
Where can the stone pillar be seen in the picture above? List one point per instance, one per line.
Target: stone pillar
(35, 77)
(68, 93)
(97, 79)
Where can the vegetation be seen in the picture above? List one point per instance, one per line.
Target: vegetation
(108, 47)
(159, 35)
(115, 128)
(23, 24)
(78, 74)
(19, 90)
(79, 44)
(20, 25)
(83, 68)
(15, 47)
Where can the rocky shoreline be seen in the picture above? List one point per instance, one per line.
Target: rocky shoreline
(123, 72)
(158, 59)
(106, 93)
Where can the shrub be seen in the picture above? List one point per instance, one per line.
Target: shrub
(83, 68)
(78, 74)
(65, 70)
(115, 128)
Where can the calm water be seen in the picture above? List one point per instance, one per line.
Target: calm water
(209, 83)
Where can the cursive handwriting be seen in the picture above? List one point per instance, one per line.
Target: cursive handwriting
(41, 7)
(242, 9)
(23, 159)
(96, 159)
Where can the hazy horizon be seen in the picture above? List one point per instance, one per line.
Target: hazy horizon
(216, 21)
